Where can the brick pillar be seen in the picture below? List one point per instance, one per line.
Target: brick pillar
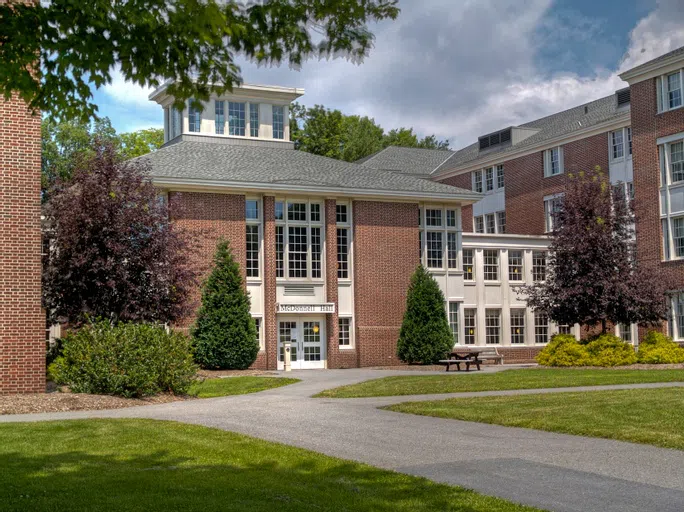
(22, 323)
(331, 282)
(270, 321)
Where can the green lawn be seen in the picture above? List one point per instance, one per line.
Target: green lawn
(211, 388)
(146, 465)
(509, 379)
(648, 416)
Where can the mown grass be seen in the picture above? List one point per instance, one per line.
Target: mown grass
(508, 379)
(647, 416)
(211, 388)
(146, 465)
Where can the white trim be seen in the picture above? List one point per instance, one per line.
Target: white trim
(670, 138)
(652, 69)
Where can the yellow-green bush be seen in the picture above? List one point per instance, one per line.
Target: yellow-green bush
(563, 350)
(656, 348)
(609, 350)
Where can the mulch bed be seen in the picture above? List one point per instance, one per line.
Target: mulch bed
(213, 374)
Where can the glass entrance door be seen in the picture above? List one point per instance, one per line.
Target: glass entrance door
(307, 341)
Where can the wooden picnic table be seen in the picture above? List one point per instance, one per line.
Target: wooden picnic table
(466, 357)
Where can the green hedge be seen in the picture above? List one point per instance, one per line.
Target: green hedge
(656, 348)
(609, 350)
(604, 350)
(127, 359)
(563, 350)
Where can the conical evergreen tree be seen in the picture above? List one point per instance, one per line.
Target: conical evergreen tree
(225, 335)
(425, 335)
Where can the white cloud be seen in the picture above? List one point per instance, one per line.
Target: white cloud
(127, 93)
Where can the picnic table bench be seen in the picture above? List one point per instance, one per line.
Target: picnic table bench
(471, 357)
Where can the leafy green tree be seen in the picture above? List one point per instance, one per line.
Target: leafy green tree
(79, 44)
(362, 137)
(425, 334)
(321, 131)
(141, 142)
(432, 142)
(225, 335)
(400, 137)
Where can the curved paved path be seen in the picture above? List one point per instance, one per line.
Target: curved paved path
(552, 471)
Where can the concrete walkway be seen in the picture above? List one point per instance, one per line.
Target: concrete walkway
(551, 471)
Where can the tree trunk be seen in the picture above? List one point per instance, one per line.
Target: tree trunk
(603, 326)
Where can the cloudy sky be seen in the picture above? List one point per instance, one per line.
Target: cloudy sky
(461, 68)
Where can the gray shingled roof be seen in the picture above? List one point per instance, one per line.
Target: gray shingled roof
(678, 51)
(550, 127)
(212, 162)
(418, 161)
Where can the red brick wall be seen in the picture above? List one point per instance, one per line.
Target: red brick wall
(268, 359)
(211, 216)
(647, 127)
(526, 185)
(385, 235)
(22, 324)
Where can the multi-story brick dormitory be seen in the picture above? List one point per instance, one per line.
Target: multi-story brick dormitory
(328, 247)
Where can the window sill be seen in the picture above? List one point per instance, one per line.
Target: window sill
(346, 348)
(553, 175)
(492, 283)
(469, 283)
(670, 109)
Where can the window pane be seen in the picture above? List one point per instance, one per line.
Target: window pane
(678, 236)
(194, 119)
(617, 144)
(220, 118)
(296, 211)
(236, 118)
(341, 213)
(515, 265)
(434, 249)
(279, 211)
(479, 224)
(315, 252)
(451, 218)
(677, 161)
(539, 266)
(541, 327)
(342, 253)
(343, 332)
(433, 217)
(468, 270)
(452, 250)
(453, 320)
(492, 326)
(490, 178)
(491, 264)
(253, 120)
(315, 212)
(491, 223)
(278, 122)
(517, 326)
(469, 326)
(674, 90)
(679, 316)
(252, 250)
(478, 181)
(500, 176)
(280, 251)
(501, 222)
(257, 324)
(297, 251)
(252, 209)
(626, 332)
(629, 139)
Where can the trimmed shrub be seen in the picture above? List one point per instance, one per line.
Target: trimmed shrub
(127, 359)
(609, 350)
(225, 335)
(563, 350)
(656, 348)
(425, 335)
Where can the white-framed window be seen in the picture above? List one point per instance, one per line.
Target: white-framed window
(515, 266)
(552, 206)
(500, 181)
(477, 181)
(439, 232)
(489, 179)
(669, 90)
(479, 224)
(468, 265)
(564, 329)
(629, 139)
(625, 332)
(194, 118)
(453, 320)
(677, 317)
(541, 327)
(677, 162)
(343, 240)
(299, 239)
(278, 122)
(236, 118)
(617, 145)
(492, 326)
(253, 119)
(219, 116)
(672, 182)
(501, 222)
(176, 122)
(517, 326)
(341, 213)
(260, 338)
(491, 264)
(490, 223)
(553, 161)
(344, 337)
(469, 326)
(538, 266)
(253, 237)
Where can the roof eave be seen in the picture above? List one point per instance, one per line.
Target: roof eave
(651, 69)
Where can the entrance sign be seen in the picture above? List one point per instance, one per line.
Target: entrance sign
(306, 308)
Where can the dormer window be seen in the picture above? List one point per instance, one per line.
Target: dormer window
(236, 119)
(494, 139)
(278, 122)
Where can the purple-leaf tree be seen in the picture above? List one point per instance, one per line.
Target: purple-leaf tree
(114, 253)
(593, 276)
